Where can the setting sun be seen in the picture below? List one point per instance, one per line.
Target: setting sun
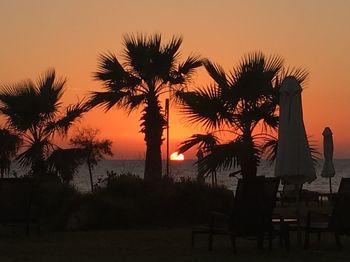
(177, 157)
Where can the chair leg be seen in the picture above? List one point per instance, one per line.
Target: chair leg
(260, 241)
(286, 237)
(27, 229)
(319, 238)
(233, 243)
(270, 240)
(192, 239)
(337, 239)
(210, 242)
(307, 239)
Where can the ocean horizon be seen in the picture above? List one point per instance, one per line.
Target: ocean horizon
(187, 169)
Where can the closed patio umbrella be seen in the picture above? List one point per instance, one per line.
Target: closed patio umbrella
(293, 161)
(328, 166)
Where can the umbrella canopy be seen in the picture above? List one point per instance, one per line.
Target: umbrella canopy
(328, 166)
(293, 161)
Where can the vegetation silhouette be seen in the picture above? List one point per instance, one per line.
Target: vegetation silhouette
(34, 112)
(9, 145)
(150, 70)
(93, 149)
(237, 103)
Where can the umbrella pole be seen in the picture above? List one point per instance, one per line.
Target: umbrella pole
(298, 192)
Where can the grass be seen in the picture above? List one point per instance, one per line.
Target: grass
(154, 245)
(128, 204)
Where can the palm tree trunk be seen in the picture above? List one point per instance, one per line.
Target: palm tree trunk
(153, 164)
(90, 173)
(249, 161)
(153, 126)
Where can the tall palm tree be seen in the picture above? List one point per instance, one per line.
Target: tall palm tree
(33, 110)
(238, 101)
(150, 69)
(9, 145)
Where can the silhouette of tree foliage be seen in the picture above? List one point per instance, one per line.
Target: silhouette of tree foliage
(33, 110)
(149, 70)
(9, 145)
(236, 103)
(93, 149)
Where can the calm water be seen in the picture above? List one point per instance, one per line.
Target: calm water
(187, 168)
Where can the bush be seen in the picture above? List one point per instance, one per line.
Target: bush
(51, 199)
(128, 201)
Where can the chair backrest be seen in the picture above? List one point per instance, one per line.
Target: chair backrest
(340, 218)
(270, 192)
(344, 186)
(291, 190)
(247, 216)
(15, 199)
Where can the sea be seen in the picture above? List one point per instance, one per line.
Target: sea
(187, 169)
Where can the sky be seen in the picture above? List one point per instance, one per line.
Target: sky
(69, 35)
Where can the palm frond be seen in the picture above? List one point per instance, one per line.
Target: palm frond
(223, 156)
(113, 75)
(108, 99)
(203, 141)
(205, 106)
(65, 162)
(301, 74)
(217, 73)
(18, 105)
(269, 149)
(50, 91)
(72, 114)
(9, 146)
(37, 151)
(191, 63)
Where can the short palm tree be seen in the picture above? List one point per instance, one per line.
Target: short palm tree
(33, 110)
(150, 69)
(93, 149)
(9, 145)
(240, 101)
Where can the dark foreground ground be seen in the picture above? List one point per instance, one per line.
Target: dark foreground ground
(154, 245)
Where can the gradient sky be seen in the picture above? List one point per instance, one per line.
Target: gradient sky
(68, 35)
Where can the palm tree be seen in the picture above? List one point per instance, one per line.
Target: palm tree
(33, 110)
(9, 145)
(65, 163)
(238, 103)
(150, 69)
(93, 149)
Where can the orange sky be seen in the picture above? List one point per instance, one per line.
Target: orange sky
(69, 34)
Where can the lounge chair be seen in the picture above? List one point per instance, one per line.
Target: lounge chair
(338, 222)
(16, 203)
(251, 215)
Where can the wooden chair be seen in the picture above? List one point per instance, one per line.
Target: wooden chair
(251, 216)
(338, 222)
(16, 208)
(289, 193)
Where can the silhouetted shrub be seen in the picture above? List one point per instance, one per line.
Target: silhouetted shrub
(127, 201)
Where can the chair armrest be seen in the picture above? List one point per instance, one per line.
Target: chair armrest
(312, 214)
(216, 216)
(278, 218)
